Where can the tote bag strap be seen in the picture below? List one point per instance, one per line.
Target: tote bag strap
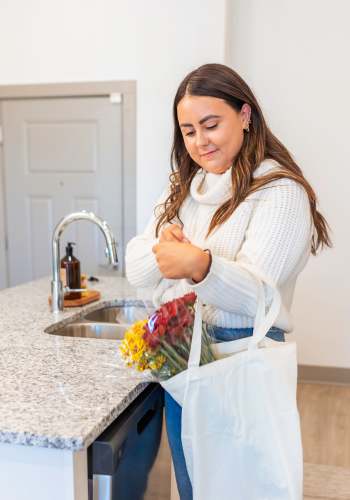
(262, 323)
(196, 344)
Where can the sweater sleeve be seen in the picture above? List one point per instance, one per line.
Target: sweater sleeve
(140, 262)
(278, 234)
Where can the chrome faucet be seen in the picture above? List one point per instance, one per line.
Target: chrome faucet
(57, 290)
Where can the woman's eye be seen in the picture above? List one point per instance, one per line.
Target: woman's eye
(208, 128)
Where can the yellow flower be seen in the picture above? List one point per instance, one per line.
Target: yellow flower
(133, 349)
(133, 346)
(157, 362)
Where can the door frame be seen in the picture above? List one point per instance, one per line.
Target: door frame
(112, 89)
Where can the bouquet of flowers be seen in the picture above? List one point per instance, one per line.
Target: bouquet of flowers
(162, 342)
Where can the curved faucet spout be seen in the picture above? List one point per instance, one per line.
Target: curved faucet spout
(57, 293)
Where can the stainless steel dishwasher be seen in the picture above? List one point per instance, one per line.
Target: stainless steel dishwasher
(121, 459)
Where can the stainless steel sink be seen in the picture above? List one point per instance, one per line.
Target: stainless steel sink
(109, 322)
(126, 314)
(92, 330)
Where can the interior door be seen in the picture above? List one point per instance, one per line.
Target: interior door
(60, 155)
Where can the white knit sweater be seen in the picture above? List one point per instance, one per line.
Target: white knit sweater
(272, 229)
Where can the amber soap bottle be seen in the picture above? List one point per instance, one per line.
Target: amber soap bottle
(70, 272)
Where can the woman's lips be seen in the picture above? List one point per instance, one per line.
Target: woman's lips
(207, 155)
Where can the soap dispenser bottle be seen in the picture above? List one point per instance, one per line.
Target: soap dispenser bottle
(70, 272)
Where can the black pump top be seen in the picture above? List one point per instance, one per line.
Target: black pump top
(69, 249)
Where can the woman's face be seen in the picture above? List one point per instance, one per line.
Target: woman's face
(210, 125)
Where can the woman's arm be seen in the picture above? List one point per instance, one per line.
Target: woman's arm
(140, 262)
(278, 234)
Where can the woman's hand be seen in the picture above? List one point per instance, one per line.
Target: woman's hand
(181, 260)
(173, 233)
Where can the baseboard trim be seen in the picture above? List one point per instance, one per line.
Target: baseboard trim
(323, 374)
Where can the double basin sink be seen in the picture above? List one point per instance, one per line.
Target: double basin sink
(108, 322)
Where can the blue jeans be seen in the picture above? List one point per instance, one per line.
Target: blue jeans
(173, 409)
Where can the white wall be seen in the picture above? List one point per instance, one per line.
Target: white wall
(155, 42)
(294, 55)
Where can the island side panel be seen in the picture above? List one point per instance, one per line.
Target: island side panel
(28, 472)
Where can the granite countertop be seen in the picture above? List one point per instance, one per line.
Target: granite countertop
(60, 392)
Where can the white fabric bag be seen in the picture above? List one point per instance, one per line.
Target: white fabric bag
(240, 423)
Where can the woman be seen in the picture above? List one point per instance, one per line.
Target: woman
(235, 195)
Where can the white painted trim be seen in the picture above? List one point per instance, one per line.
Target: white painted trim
(3, 255)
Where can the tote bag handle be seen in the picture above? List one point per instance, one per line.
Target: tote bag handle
(262, 322)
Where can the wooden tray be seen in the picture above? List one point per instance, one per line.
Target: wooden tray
(89, 296)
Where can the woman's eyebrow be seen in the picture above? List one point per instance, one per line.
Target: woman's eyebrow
(200, 121)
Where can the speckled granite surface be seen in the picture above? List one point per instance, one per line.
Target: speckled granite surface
(59, 392)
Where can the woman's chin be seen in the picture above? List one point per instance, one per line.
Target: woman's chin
(215, 169)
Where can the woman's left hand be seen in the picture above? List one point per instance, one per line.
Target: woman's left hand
(181, 260)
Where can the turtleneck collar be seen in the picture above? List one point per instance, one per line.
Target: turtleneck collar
(214, 189)
(211, 189)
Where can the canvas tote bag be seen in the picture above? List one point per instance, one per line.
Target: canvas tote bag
(240, 423)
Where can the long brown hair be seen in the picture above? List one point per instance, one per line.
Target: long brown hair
(218, 80)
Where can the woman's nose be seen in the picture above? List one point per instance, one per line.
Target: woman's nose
(201, 139)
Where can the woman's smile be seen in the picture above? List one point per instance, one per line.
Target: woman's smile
(209, 154)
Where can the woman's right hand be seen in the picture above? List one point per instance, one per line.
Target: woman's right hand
(173, 233)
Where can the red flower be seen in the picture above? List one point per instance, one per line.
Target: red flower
(170, 321)
(189, 298)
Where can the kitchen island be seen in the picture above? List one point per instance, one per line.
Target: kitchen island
(57, 393)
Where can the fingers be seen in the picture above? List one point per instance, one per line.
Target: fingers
(173, 233)
(176, 232)
(176, 259)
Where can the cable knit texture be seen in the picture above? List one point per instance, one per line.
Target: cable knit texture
(271, 229)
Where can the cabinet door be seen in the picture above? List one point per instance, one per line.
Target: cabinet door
(61, 155)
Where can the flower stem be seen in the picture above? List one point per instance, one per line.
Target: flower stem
(171, 361)
(174, 354)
